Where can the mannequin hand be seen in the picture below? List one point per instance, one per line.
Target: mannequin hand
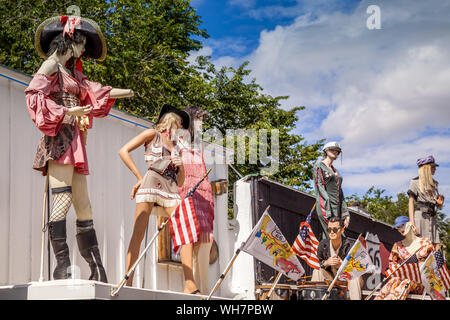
(439, 200)
(79, 111)
(135, 189)
(346, 222)
(176, 160)
(414, 229)
(333, 261)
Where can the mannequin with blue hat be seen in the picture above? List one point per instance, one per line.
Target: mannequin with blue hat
(412, 245)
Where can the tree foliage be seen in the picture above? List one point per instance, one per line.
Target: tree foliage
(148, 46)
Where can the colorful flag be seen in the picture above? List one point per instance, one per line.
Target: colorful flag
(267, 243)
(409, 270)
(443, 270)
(306, 243)
(183, 224)
(357, 262)
(431, 279)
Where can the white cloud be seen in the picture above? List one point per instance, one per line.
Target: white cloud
(364, 88)
(384, 94)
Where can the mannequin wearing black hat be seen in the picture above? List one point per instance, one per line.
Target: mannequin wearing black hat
(397, 288)
(423, 190)
(157, 192)
(63, 102)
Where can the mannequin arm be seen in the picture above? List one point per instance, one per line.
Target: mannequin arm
(121, 93)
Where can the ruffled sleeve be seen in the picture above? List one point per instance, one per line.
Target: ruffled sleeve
(45, 113)
(98, 97)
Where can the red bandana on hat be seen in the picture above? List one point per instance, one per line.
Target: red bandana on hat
(69, 28)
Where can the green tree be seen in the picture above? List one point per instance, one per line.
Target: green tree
(148, 46)
(148, 43)
(236, 102)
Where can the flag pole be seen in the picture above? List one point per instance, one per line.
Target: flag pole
(274, 284)
(44, 207)
(388, 277)
(277, 279)
(222, 276)
(115, 290)
(327, 293)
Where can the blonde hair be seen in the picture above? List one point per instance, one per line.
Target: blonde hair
(168, 122)
(426, 181)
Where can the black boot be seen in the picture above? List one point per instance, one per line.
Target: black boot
(88, 245)
(57, 231)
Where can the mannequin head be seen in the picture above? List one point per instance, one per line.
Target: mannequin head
(170, 122)
(426, 181)
(405, 229)
(331, 150)
(335, 228)
(66, 45)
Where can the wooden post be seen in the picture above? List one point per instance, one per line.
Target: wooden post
(44, 211)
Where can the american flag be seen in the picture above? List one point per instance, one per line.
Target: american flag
(183, 224)
(305, 245)
(443, 270)
(409, 270)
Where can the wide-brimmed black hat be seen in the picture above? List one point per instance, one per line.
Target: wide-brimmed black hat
(166, 108)
(95, 41)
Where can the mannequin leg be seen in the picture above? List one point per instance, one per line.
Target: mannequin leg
(60, 181)
(201, 265)
(186, 253)
(86, 236)
(141, 216)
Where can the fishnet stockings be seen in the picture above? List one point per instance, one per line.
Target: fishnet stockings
(61, 205)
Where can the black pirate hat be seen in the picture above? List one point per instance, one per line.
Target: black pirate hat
(50, 28)
(166, 108)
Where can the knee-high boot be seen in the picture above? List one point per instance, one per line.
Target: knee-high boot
(88, 246)
(57, 232)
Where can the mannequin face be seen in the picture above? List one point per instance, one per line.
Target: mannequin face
(332, 154)
(334, 230)
(78, 48)
(404, 229)
(433, 170)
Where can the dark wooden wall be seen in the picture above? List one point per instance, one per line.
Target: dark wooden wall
(289, 207)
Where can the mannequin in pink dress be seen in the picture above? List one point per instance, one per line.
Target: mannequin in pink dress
(62, 103)
(195, 169)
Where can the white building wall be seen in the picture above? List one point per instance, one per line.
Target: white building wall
(109, 185)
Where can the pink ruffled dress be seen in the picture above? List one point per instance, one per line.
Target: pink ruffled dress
(194, 170)
(48, 99)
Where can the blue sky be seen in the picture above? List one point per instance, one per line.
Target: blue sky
(383, 94)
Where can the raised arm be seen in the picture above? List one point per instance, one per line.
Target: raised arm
(124, 153)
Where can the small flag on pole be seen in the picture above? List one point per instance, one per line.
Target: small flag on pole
(357, 262)
(409, 270)
(431, 279)
(267, 243)
(443, 270)
(183, 224)
(306, 244)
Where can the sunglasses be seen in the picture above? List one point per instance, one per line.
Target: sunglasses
(334, 230)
